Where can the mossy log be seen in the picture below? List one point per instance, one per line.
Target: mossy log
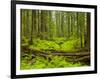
(81, 58)
(72, 54)
(74, 57)
(62, 53)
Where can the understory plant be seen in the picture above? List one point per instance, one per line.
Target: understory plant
(52, 62)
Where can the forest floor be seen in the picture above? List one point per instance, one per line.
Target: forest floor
(53, 54)
(55, 60)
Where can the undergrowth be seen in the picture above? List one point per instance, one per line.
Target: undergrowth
(41, 62)
(62, 44)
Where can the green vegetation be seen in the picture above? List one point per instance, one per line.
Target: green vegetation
(50, 32)
(55, 44)
(41, 62)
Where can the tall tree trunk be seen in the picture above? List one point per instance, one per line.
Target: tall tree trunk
(32, 25)
(88, 31)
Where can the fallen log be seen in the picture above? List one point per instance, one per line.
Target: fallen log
(72, 54)
(79, 55)
(82, 58)
(34, 51)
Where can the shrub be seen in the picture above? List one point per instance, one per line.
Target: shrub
(41, 63)
(45, 45)
(24, 40)
(59, 40)
(70, 45)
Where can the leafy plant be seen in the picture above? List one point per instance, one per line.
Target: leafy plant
(59, 40)
(41, 63)
(45, 45)
(70, 45)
